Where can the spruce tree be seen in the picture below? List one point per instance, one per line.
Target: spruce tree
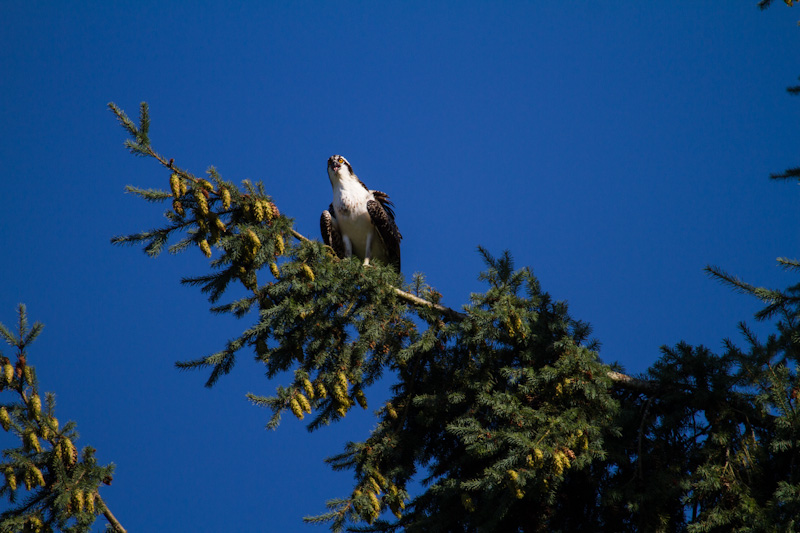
(502, 410)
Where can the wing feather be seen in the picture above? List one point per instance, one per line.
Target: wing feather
(382, 218)
(330, 232)
(383, 199)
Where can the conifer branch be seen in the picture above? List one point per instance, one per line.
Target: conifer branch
(420, 302)
(788, 174)
(112, 520)
(639, 385)
(61, 484)
(789, 264)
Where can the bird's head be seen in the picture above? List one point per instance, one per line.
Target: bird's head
(339, 168)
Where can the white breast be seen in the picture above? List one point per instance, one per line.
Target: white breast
(350, 203)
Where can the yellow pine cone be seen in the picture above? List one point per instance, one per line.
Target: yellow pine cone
(561, 462)
(8, 372)
(28, 373)
(35, 406)
(535, 458)
(28, 481)
(220, 225)
(225, 194)
(90, 502)
(32, 441)
(273, 267)
(342, 409)
(519, 493)
(341, 380)
(322, 392)
(338, 393)
(5, 419)
(376, 488)
(564, 458)
(255, 242)
(513, 476)
(303, 401)
(280, 245)
(373, 500)
(202, 203)
(308, 271)
(308, 387)
(175, 185)
(390, 410)
(268, 213)
(205, 247)
(184, 187)
(38, 477)
(205, 184)
(258, 211)
(297, 411)
(77, 498)
(361, 399)
(69, 454)
(177, 206)
(11, 479)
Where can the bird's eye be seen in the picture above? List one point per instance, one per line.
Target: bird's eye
(341, 160)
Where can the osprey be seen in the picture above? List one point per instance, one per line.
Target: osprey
(359, 221)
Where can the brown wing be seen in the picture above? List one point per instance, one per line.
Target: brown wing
(330, 232)
(383, 199)
(383, 219)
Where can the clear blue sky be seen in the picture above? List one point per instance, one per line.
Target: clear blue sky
(615, 147)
